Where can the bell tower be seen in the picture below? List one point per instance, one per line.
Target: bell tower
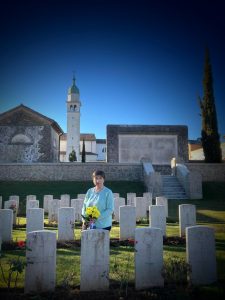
(73, 121)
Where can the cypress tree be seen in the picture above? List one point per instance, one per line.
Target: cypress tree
(83, 154)
(209, 134)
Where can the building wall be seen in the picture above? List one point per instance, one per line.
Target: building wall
(91, 158)
(90, 146)
(101, 151)
(209, 171)
(62, 150)
(55, 145)
(69, 171)
(159, 149)
(82, 172)
(158, 144)
(28, 144)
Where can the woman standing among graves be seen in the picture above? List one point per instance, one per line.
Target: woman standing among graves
(101, 197)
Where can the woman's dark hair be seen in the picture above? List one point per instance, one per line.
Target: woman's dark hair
(99, 173)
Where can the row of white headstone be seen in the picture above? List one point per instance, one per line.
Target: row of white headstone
(142, 203)
(52, 205)
(40, 272)
(127, 216)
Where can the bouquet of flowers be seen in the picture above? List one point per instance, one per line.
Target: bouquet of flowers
(91, 215)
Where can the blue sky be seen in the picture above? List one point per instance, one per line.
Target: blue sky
(135, 62)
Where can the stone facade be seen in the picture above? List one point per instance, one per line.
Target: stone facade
(79, 171)
(158, 144)
(69, 171)
(27, 136)
(208, 171)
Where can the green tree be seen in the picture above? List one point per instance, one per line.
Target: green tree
(209, 135)
(72, 156)
(83, 154)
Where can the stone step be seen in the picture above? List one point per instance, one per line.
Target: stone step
(168, 188)
(172, 188)
(174, 193)
(175, 197)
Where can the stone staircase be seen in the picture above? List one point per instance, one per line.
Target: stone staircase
(172, 189)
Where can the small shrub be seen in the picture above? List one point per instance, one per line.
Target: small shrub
(14, 267)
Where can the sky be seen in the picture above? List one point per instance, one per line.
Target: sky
(136, 62)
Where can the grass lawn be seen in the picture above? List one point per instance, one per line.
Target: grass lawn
(210, 212)
(57, 188)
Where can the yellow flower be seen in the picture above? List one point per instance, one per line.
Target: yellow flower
(92, 212)
(88, 211)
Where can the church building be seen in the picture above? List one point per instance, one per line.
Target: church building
(27, 136)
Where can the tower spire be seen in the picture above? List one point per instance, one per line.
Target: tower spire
(73, 89)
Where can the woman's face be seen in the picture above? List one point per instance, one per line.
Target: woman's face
(98, 181)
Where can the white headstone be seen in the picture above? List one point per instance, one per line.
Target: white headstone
(201, 254)
(6, 223)
(131, 199)
(116, 195)
(17, 199)
(140, 204)
(117, 203)
(53, 208)
(40, 272)
(127, 222)
(94, 275)
(162, 201)
(30, 197)
(13, 205)
(14, 197)
(77, 204)
(46, 200)
(66, 224)
(157, 217)
(81, 196)
(148, 197)
(65, 200)
(187, 217)
(6, 204)
(32, 204)
(148, 258)
(35, 219)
